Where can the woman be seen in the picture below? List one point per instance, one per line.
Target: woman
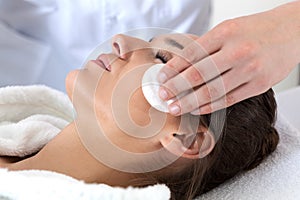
(247, 137)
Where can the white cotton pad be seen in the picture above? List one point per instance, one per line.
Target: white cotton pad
(150, 87)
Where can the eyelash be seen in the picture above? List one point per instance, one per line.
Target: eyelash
(163, 56)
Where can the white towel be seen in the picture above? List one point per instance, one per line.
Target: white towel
(46, 185)
(30, 116)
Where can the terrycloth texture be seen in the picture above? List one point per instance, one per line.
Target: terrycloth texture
(45, 185)
(275, 179)
(30, 116)
(289, 105)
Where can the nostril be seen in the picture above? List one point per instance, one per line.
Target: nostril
(117, 48)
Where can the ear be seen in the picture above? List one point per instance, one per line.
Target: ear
(192, 146)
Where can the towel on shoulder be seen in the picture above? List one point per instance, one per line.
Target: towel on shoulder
(30, 116)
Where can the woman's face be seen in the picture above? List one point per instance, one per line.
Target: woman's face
(125, 115)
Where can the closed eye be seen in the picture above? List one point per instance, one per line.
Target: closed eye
(164, 56)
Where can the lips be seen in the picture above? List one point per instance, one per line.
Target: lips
(103, 62)
(100, 64)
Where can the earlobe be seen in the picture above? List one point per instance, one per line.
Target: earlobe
(192, 146)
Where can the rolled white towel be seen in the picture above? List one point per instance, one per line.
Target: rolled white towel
(30, 116)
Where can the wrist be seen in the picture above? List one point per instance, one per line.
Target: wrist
(287, 17)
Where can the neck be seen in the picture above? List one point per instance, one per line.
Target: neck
(66, 154)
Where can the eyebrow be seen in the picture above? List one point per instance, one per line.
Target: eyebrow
(171, 42)
(174, 43)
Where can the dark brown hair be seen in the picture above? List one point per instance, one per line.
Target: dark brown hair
(247, 138)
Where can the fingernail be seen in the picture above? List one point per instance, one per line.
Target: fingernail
(162, 77)
(163, 94)
(174, 109)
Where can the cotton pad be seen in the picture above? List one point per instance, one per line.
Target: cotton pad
(150, 88)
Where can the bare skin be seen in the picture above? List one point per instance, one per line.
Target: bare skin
(6, 160)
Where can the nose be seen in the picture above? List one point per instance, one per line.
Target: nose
(123, 45)
(120, 46)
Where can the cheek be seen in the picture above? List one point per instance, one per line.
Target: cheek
(103, 98)
(122, 102)
(70, 82)
(139, 108)
(148, 121)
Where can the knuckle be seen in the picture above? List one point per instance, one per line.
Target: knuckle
(187, 107)
(228, 27)
(206, 109)
(230, 100)
(208, 94)
(194, 75)
(243, 50)
(205, 95)
(263, 82)
(189, 103)
(249, 48)
(254, 67)
(170, 70)
(173, 64)
(172, 87)
(189, 53)
(217, 106)
(213, 92)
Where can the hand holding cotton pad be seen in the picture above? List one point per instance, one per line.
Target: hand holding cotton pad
(150, 88)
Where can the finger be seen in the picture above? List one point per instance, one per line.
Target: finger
(195, 51)
(203, 46)
(170, 69)
(201, 72)
(239, 94)
(209, 92)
